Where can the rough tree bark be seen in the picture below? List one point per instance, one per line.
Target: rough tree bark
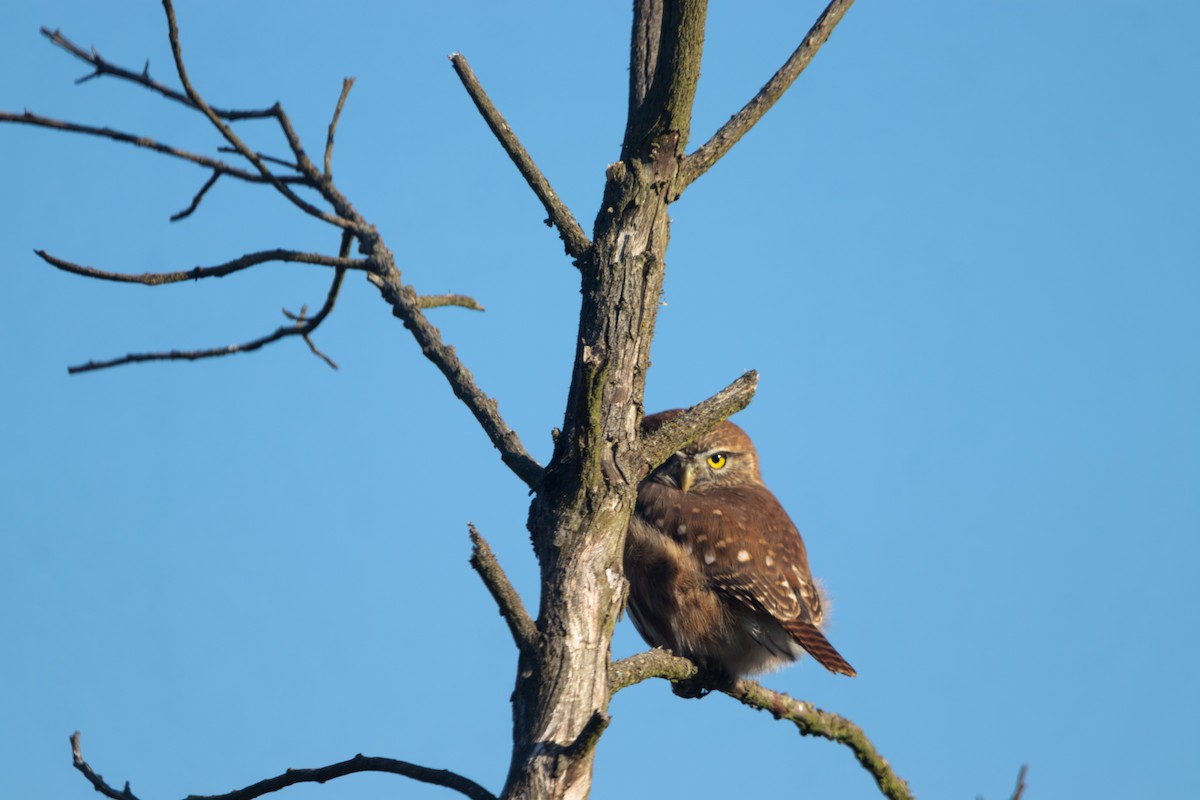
(584, 497)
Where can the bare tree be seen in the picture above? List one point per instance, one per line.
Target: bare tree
(584, 497)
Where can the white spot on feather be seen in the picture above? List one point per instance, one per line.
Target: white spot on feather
(743, 556)
(710, 557)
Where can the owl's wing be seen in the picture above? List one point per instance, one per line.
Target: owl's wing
(753, 554)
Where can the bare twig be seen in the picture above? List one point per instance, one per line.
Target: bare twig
(574, 239)
(406, 304)
(301, 317)
(811, 721)
(102, 67)
(337, 114)
(302, 328)
(698, 420)
(740, 123)
(196, 273)
(94, 777)
(1020, 790)
(483, 561)
(460, 300)
(29, 118)
(266, 158)
(208, 184)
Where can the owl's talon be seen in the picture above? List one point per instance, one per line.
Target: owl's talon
(692, 689)
(705, 682)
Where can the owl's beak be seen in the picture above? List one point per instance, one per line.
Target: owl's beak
(687, 475)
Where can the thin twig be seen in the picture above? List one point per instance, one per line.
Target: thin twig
(301, 317)
(337, 113)
(520, 624)
(208, 184)
(233, 139)
(1020, 790)
(740, 123)
(94, 777)
(693, 423)
(574, 239)
(103, 67)
(460, 300)
(196, 273)
(29, 118)
(266, 158)
(302, 328)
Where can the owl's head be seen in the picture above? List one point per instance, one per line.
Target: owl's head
(724, 456)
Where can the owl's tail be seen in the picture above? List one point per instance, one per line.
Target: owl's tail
(811, 639)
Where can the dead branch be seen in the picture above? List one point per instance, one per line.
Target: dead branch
(483, 561)
(574, 239)
(196, 273)
(360, 763)
(698, 420)
(740, 123)
(380, 264)
(808, 719)
(656, 663)
(440, 300)
(29, 118)
(94, 777)
(406, 306)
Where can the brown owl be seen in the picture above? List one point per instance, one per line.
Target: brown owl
(717, 571)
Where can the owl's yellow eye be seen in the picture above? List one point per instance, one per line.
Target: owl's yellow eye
(716, 460)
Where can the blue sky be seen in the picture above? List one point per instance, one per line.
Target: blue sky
(962, 253)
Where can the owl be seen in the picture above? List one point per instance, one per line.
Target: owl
(717, 571)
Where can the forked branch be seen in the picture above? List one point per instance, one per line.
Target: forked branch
(303, 325)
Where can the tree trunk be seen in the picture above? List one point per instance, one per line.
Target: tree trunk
(581, 511)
